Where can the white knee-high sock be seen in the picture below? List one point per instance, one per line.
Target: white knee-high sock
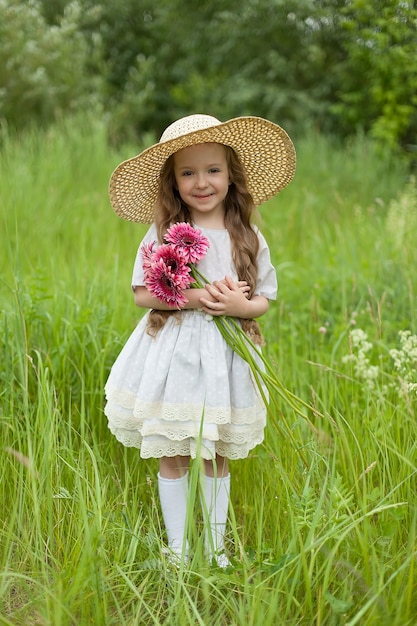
(215, 504)
(173, 495)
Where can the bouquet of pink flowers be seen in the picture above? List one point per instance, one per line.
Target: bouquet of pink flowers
(170, 268)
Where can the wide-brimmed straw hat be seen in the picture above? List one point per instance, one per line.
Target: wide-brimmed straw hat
(264, 148)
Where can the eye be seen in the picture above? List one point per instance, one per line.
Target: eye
(186, 173)
(214, 170)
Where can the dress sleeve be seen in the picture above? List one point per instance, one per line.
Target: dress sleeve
(137, 277)
(267, 278)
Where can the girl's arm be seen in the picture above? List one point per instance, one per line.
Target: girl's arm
(146, 300)
(229, 299)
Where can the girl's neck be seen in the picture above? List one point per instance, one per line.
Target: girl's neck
(211, 222)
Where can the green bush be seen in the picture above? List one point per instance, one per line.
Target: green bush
(44, 68)
(335, 65)
(378, 76)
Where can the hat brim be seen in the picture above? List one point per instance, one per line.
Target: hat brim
(264, 148)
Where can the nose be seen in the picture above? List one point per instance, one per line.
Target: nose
(201, 180)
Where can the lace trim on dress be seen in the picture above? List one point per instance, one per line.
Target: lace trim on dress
(178, 432)
(159, 447)
(124, 406)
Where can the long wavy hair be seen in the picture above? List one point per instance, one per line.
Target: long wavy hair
(239, 210)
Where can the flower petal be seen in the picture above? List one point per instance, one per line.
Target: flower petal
(189, 240)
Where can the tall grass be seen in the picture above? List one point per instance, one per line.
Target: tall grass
(330, 542)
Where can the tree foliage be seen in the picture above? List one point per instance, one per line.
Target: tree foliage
(379, 74)
(338, 64)
(43, 68)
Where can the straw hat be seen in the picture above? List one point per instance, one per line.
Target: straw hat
(265, 150)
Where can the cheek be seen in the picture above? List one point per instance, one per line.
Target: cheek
(184, 185)
(182, 190)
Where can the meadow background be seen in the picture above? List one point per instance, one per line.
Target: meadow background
(323, 530)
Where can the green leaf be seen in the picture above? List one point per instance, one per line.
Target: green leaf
(338, 606)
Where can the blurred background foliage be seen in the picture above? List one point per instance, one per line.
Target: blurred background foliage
(340, 66)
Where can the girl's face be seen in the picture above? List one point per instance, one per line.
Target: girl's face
(202, 179)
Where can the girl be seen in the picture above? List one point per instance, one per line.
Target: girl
(177, 389)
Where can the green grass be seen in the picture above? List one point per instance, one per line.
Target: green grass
(332, 541)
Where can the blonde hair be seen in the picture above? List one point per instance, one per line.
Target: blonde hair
(239, 209)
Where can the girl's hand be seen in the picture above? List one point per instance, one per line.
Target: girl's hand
(230, 298)
(242, 284)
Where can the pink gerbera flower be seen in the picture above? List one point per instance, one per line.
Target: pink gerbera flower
(190, 240)
(165, 285)
(175, 260)
(147, 253)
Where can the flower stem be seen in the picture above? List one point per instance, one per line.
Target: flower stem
(263, 373)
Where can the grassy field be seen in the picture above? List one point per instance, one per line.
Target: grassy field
(323, 530)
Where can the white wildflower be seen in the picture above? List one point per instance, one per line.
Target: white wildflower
(405, 362)
(361, 365)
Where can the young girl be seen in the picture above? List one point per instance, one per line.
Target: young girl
(177, 389)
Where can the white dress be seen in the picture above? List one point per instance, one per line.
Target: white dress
(185, 391)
